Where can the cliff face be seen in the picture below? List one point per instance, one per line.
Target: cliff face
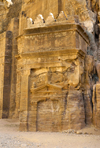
(69, 7)
(49, 61)
(8, 13)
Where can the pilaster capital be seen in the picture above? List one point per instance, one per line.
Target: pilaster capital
(25, 72)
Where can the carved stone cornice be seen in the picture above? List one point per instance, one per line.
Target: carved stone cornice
(56, 27)
(70, 53)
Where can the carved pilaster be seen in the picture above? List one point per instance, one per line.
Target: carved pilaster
(18, 93)
(1, 88)
(24, 100)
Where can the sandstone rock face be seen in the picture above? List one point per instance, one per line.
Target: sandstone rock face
(96, 106)
(3, 12)
(8, 13)
(49, 63)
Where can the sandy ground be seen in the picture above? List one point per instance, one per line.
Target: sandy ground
(10, 137)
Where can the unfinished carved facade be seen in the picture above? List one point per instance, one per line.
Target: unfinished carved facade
(49, 64)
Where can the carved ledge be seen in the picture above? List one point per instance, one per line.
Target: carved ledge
(34, 90)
